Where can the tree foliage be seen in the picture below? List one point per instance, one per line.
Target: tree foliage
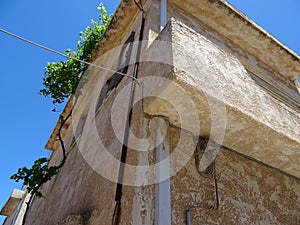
(35, 176)
(60, 81)
(61, 78)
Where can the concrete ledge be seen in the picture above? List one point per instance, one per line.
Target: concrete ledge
(12, 203)
(256, 124)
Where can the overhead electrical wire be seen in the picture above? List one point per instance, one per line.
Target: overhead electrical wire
(66, 56)
(69, 57)
(134, 78)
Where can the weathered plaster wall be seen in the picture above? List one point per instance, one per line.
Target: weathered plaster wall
(250, 61)
(78, 194)
(249, 193)
(242, 36)
(256, 124)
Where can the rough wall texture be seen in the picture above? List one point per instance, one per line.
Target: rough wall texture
(210, 74)
(242, 36)
(256, 125)
(249, 192)
(78, 194)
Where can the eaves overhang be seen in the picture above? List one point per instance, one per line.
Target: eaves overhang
(220, 17)
(243, 34)
(230, 107)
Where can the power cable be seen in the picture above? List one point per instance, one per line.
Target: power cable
(139, 5)
(204, 207)
(116, 210)
(66, 56)
(118, 194)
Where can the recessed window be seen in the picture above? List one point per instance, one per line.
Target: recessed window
(123, 63)
(78, 131)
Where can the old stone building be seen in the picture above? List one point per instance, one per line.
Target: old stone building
(214, 127)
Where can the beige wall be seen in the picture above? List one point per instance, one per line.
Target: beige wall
(250, 192)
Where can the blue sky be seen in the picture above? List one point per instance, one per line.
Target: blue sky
(27, 120)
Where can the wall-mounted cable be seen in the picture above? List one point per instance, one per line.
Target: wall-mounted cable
(207, 173)
(139, 5)
(117, 210)
(118, 195)
(208, 169)
(204, 207)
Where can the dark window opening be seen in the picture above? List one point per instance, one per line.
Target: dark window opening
(123, 63)
(78, 130)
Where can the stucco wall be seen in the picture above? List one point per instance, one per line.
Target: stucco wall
(78, 194)
(227, 98)
(250, 192)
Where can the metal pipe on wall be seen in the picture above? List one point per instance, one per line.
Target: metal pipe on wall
(163, 14)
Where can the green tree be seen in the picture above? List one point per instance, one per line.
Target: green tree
(60, 81)
(61, 78)
(35, 176)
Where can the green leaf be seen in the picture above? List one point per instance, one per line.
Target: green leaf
(61, 78)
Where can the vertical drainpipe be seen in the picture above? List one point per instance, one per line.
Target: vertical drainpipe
(163, 14)
(188, 217)
(163, 191)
